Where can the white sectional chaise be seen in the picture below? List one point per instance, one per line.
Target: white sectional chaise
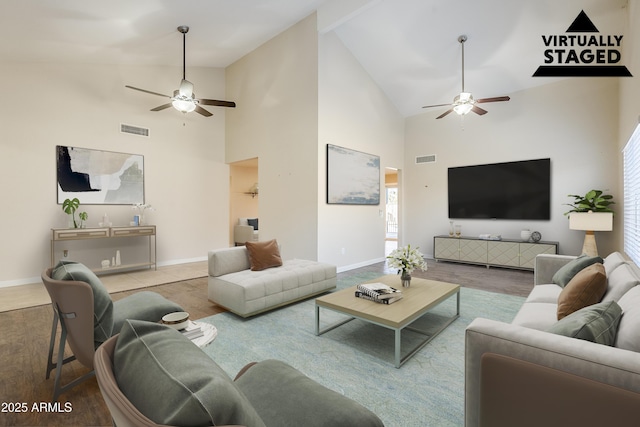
(234, 286)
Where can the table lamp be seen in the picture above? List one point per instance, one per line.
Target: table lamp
(590, 222)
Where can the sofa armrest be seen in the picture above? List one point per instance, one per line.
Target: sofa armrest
(546, 266)
(608, 365)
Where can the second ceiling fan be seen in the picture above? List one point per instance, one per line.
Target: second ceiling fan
(183, 99)
(465, 102)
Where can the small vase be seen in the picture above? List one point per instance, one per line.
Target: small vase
(525, 235)
(405, 278)
(451, 231)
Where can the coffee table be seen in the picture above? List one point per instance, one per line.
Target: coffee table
(418, 299)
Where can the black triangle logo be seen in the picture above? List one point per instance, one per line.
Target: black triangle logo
(582, 24)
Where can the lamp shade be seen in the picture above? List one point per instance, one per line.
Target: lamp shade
(591, 221)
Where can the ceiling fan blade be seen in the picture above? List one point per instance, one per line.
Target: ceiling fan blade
(186, 88)
(217, 103)
(161, 107)
(445, 113)
(202, 111)
(438, 105)
(147, 91)
(478, 110)
(496, 99)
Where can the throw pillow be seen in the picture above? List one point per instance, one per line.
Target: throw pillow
(566, 272)
(585, 288)
(173, 382)
(263, 255)
(102, 303)
(253, 222)
(597, 323)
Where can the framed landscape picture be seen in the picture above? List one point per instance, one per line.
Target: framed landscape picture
(98, 177)
(353, 177)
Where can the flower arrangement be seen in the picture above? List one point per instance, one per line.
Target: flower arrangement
(406, 260)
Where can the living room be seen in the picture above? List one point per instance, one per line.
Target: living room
(296, 93)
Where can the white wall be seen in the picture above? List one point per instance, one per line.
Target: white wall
(353, 113)
(574, 122)
(83, 105)
(276, 89)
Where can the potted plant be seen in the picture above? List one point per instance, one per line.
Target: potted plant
(406, 260)
(589, 213)
(593, 201)
(69, 206)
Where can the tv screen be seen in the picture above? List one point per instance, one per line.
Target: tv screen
(512, 190)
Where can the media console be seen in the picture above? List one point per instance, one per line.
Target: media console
(498, 253)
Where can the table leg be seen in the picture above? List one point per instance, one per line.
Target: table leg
(398, 347)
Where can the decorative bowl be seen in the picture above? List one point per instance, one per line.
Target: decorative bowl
(177, 320)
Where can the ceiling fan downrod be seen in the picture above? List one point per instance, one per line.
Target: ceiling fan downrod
(462, 39)
(184, 29)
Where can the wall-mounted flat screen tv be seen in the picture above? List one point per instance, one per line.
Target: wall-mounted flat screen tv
(512, 190)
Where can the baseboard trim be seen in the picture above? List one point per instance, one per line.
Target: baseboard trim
(344, 268)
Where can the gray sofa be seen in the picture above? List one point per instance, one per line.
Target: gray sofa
(234, 286)
(503, 361)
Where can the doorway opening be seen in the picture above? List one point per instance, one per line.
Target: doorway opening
(243, 203)
(392, 217)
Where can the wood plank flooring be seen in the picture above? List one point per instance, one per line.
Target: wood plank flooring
(25, 339)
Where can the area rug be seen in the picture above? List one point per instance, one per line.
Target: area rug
(357, 359)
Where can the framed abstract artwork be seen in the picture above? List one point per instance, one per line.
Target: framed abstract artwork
(98, 177)
(353, 177)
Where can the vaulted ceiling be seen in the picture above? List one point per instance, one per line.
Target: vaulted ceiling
(409, 47)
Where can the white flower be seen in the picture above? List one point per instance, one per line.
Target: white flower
(406, 260)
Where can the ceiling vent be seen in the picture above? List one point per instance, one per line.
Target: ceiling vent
(426, 159)
(134, 130)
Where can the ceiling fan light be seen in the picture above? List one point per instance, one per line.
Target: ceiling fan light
(183, 105)
(462, 109)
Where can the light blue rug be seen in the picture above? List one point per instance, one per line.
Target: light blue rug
(357, 359)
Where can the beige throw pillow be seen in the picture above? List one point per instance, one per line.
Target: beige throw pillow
(585, 288)
(263, 255)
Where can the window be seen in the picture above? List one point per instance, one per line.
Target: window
(631, 172)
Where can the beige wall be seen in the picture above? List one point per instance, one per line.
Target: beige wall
(276, 89)
(574, 122)
(80, 105)
(353, 113)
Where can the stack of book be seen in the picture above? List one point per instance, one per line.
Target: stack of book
(192, 331)
(378, 292)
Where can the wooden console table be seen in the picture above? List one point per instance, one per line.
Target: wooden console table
(499, 253)
(149, 231)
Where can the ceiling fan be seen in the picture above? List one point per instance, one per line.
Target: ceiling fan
(183, 99)
(465, 102)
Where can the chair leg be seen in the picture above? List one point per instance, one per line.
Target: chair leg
(57, 388)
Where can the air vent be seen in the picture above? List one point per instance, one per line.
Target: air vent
(134, 130)
(426, 159)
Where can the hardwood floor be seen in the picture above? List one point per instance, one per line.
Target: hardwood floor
(25, 340)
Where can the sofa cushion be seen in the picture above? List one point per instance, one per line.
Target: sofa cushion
(613, 261)
(263, 255)
(537, 315)
(173, 382)
(566, 272)
(283, 396)
(597, 323)
(253, 222)
(585, 288)
(545, 293)
(621, 280)
(629, 330)
(102, 303)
